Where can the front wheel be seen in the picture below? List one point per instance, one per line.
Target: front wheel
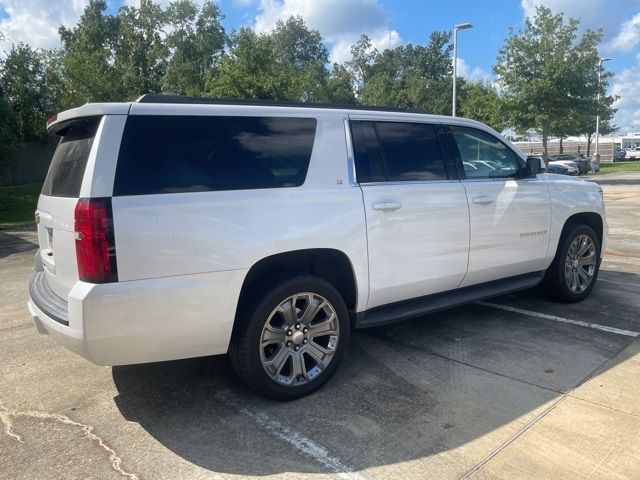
(292, 341)
(574, 270)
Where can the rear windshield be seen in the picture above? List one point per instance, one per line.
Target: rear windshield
(70, 159)
(171, 154)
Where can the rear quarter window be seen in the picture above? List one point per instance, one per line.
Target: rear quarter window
(69, 162)
(171, 154)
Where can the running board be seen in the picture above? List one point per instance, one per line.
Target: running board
(415, 307)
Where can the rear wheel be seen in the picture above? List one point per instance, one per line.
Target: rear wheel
(574, 270)
(292, 341)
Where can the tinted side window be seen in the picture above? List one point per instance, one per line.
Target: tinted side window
(368, 156)
(167, 154)
(483, 155)
(69, 162)
(411, 151)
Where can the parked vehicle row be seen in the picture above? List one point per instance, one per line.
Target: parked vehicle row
(563, 168)
(568, 164)
(633, 153)
(582, 161)
(619, 154)
(559, 167)
(173, 227)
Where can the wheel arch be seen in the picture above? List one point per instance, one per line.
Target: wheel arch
(591, 219)
(330, 264)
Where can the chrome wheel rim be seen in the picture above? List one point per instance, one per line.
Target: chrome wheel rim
(299, 339)
(580, 264)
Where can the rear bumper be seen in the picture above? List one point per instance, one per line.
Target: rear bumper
(48, 302)
(142, 321)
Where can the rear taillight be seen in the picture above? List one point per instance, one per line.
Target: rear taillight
(95, 244)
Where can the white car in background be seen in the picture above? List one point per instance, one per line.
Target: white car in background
(174, 227)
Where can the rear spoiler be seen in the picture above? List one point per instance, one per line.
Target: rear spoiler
(58, 122)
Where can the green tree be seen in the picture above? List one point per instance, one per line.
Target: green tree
(29, 92)
(90, 73)
(547, 74)
(286, 64)
(338, 87)
(6, 133)
(480, 101)
(408, 76)
(140, 53)
(585, 123)
(196, 42)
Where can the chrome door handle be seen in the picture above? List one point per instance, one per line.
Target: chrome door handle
(482, 200)
(386, 206)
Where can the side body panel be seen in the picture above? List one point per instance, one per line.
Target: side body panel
(570, 196)
(509, 228)
(422, 247)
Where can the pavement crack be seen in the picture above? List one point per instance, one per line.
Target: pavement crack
(88, 431)
(8, 426)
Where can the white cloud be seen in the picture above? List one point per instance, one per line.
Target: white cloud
(605, 14)
(36, 22)
(472, 73)
(340, 22)
(619, 19)
(626, 84)
(628, 36)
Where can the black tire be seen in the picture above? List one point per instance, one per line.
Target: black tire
(555, 282)
(244, 351)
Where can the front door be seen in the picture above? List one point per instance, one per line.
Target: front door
(417, 215)
(509, 214)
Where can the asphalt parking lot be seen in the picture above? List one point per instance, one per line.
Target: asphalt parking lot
(515, 387)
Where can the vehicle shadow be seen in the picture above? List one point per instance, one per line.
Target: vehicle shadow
(11, 243)
(404, 392)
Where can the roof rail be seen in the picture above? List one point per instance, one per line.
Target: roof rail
(180, 99)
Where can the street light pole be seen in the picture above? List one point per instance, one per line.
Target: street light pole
(597, 152)
(459, 26)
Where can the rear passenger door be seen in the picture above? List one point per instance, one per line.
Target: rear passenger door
(416, 211)
(510, 214)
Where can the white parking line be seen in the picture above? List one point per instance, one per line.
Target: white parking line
(545, 316)
(305, 445)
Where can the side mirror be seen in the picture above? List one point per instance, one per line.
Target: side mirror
(535, 165)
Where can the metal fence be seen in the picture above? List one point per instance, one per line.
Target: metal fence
(27, 162)
(553, 148)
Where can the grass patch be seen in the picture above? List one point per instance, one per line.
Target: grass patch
(17, 205)
(620, 167)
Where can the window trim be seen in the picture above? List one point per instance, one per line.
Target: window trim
(451, 173)
(521, 165)
(351, 155)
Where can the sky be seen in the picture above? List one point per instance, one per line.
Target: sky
(390, 23)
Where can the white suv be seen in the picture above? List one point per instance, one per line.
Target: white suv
(173, 227)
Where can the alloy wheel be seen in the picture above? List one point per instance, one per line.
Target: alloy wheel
(580, 264)
(299, 339)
